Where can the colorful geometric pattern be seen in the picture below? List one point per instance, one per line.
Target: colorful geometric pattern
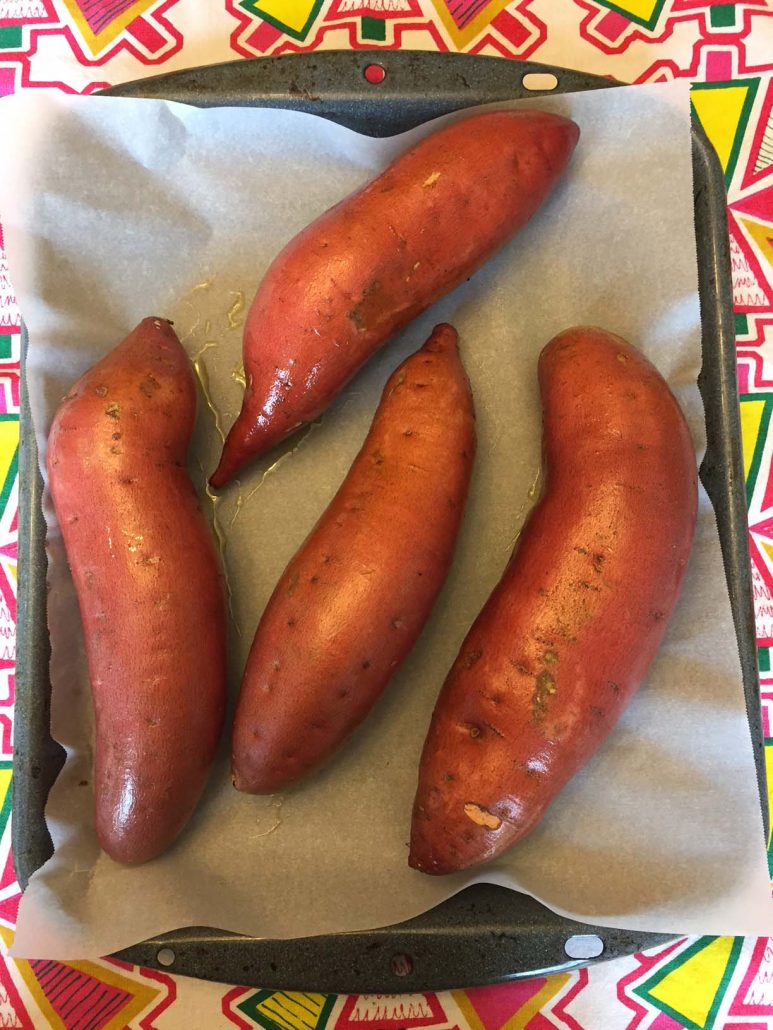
(710, 962)
(280, 1010)
(727, 50)
(100, 995)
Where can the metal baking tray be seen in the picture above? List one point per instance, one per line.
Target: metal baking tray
(485, 934)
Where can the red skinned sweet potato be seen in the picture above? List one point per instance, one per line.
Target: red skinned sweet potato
(568, 634)
(369, 265)
(149, 587)
(351, 603)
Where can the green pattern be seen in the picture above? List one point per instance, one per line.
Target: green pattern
(374, 28)
(763, 659)
(722, 16)
(10, 37)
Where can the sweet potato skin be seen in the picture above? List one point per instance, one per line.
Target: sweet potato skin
(569, 632)
(353, 600)
(372, 263)
(149, 587)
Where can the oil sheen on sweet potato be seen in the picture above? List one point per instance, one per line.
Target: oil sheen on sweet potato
(351, 603)
(568, 634)
(148, 581)
(369, 265)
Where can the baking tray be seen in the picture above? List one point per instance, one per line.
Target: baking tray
(485, 934)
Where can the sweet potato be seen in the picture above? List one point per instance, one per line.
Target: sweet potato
(373, 262)
(353, 600)
(568, 634)
(149, 586)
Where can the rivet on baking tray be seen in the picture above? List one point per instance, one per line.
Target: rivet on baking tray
(584, 945)
(541, 82)
(401, 964)
(374, 74)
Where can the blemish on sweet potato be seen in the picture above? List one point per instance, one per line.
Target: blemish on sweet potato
(544, 687)
(149, 385)
(471, 658)
(481, 816)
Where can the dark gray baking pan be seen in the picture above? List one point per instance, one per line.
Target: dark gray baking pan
(485, 934)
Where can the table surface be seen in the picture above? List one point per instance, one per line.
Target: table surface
(78, 46)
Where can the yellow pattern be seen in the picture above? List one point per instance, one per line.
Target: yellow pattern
(293, 1011)
(643, 9)
(520, 1019)
(9, 441)
(292, 13)
(99, 40)
(142, 994)
(751, 417)
(762, 235)
(5, 785)
(769, 774)
(690, 988)
(719, 111)
(462, 37)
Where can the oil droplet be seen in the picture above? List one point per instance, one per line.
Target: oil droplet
(239, 376)
(237, 507)
(222, 544)
(189, 301)
(203, 377)
(209, 345)
(235, 310)
(269, 818)
(240, 504)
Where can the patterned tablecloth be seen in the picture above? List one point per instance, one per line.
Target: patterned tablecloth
(727, 50)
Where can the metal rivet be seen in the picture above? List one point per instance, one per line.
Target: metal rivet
(584, 945)
(374, 74)
(166, 957)
(539, 81)
(401, 965)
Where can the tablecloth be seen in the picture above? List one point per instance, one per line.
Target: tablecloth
(726, 49)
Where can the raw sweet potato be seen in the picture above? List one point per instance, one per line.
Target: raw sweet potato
(373, 262)
(568, 634)
(149, 587)
(355, 597)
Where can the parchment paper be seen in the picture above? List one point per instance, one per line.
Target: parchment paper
(116, 209)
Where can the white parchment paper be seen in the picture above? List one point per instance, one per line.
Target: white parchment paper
(115, 209)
